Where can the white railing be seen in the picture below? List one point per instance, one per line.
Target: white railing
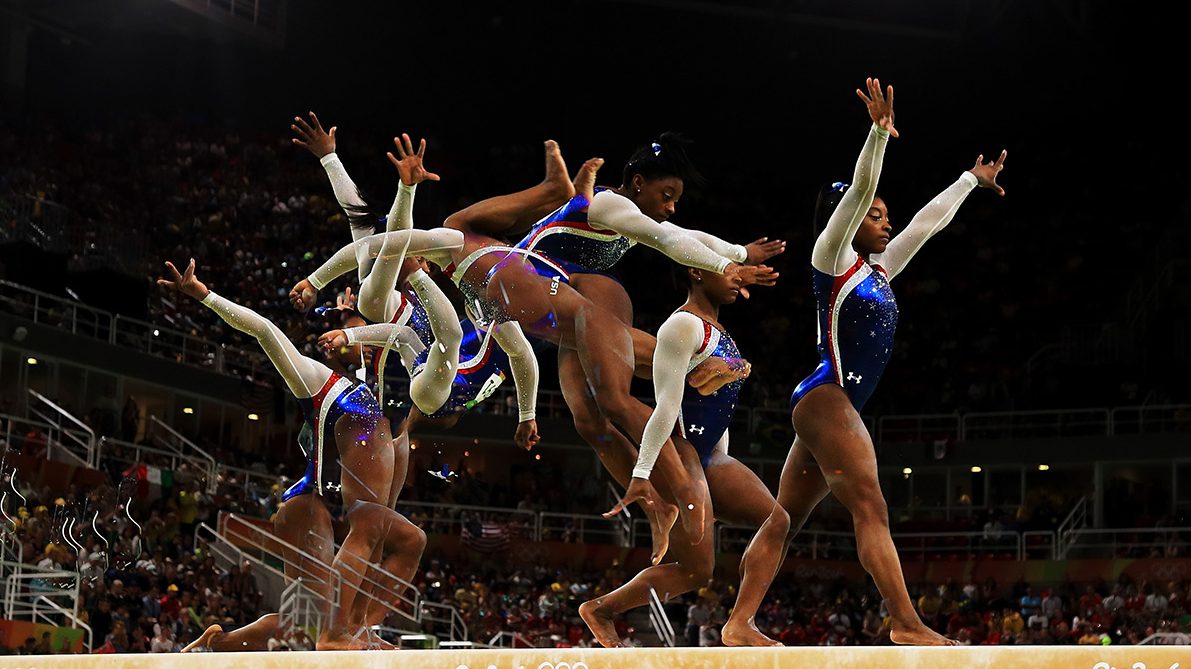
(580, 528)
(1076, 519)
(624, 519)
(1039, 545)
(158, 340)
(1022, 424)
(827, 544)
(924, 428)
(23, 590)
(71, 616)
(450, 518)
(504, 639)
(1166, 639)
(77, 442)
(57, 312)
(1129, 542)
(138, 454)
(174, 440)
(256, 544)
(447, 616)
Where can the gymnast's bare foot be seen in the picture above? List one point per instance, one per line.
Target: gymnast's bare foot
(204, 641)
(918, 635)
(745, 635)
(600, 624)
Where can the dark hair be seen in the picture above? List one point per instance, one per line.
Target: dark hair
(665, 157)
(829, 198)
(366, 217)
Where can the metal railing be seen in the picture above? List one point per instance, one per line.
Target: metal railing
(174, 440)
(39, 613)
(1128, 542)
(157, 340)
(445, 616)
(505, 639)
(1039, 545)
(267, 549)
(827, 544)
(1166, 639)
(77, 442)
(138, 454)
(924, 428)
(1077, 519)
(450, 518)
(29, 592)
(1020, 424)
(580, 528)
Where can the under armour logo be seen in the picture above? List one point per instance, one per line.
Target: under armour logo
(695, 429)
(554, 285)
(854, 377)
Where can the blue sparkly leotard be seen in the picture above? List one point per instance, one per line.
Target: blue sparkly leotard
(567, 238)
(338, 397)
(857, 320)
(482, 368)
(705, 418)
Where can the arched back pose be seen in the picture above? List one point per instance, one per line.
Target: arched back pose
(689, 336)
(589, 235)
(852, 262)
(502, 283)
(345, 417)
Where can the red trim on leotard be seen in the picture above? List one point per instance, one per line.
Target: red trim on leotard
(835, 288)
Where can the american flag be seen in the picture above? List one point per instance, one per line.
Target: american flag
(485, 537)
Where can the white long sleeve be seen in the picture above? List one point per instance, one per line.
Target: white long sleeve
(617, 213)
(401, 214)
(303, 375)
(401, 337)
(926, 224)
(346, 193)
(354, 207)
(736, 252)
(523, 364)
(679, 340)
(435, 245)
(833, 252)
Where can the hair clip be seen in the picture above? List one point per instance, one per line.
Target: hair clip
(657, 148)
(839, 187)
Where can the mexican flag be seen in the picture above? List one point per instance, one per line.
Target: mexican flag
(149, 481)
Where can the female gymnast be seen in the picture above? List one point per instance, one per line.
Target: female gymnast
(502, 283)
(691, 335)
(589, 241)
(347, 415)
(853, 260)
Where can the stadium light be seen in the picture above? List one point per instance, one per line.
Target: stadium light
(538, 456)
(907, 471)
(187, 410)
(31, 361)
(1043, 468)
(466, 454)
(976, 470)
(253, 416)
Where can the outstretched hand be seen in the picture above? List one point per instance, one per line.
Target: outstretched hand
(346, 301)
(986, 173)
(638, 490)
(763, 249)
(408, 163)
(312, 137)
(527, 435)
(184, 282)
(755, 275)
(332, 340)
(880, 105)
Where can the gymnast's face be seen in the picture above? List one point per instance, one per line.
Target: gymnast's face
(658, 197)
(720, 289)
(875, 231)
